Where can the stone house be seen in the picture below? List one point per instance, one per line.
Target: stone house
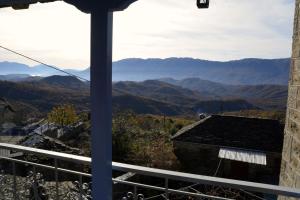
(232, 147)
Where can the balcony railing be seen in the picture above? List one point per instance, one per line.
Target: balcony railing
(74, 169)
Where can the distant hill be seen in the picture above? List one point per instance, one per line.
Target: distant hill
(161, 91)
(264, 96)
(200, 85)
(239, 72)
(42, 97)
(14, 77)
(69, 82)
(148, 97)
(141, 105)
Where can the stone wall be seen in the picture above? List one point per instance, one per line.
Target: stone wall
(203, 159)
(290, 166)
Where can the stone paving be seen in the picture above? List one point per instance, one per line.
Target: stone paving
(27, 188)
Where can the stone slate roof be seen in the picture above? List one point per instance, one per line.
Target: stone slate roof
(239, 132)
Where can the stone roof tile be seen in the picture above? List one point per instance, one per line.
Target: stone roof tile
(238, 132)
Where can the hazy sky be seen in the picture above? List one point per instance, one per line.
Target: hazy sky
(58, 34)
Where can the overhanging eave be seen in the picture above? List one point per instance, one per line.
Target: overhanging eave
(84, 5)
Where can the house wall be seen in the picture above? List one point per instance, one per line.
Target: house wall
(290, 166)
(203, 159)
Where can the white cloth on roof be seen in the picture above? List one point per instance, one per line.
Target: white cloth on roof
(243, 155)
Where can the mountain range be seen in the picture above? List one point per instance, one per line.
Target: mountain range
(250, 71)
(148, 97)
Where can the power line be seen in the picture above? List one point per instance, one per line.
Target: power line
(42, 63)
(217, 170)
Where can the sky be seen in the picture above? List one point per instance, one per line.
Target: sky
(59, 34)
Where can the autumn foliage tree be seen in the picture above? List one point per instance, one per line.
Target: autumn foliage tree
(63, 115)
(145, 139)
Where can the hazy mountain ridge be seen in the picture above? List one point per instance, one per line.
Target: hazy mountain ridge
(265, 96)
(223, 90)
(239, 72)
(14, 68)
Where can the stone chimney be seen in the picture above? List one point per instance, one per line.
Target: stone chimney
(290, 165)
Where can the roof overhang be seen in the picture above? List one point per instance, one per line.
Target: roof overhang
(84, 5)
(21, 4)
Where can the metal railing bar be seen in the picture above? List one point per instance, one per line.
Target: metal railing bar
(47, 167)
(153, 197)
(182, 189)
(194, 190)
(179, 176)
(209, 180)
(253, 195)
(167, 187)
(170, 190)
(14, 180)
(50, 154)
(35, 184)
(126, 176)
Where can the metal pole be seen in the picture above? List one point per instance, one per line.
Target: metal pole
(35, 191)
(135, 192)
(167, 187)
(101, 96)
(80, 188)
(15, 180)
(56, 179)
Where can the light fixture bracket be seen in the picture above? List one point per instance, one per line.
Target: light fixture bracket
(202, 4)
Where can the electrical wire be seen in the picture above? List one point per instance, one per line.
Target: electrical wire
(217, 170)
(195, 184)
(70, 74)
(42, 63)
(251, 194)
(190, 186)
